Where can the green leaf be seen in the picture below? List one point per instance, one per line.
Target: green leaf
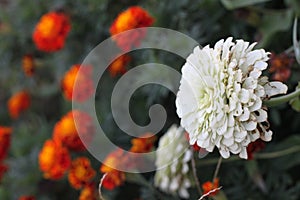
(295, 103)
(252, 169)
(290, 160)
(273, 22)
(233, 4)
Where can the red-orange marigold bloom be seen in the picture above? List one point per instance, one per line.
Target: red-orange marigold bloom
(89, 192)
(51, 31)
(114, 177)
(119, 65)
(133, 17)
(18, 103)
(3, 169)
(66, 131)
(27, 198)
(5, 137)
(54, 160)
(84, 83)
(281, 66)
(208, 186)
(254, 147)
(81, 172)
(143, 144)
(28, 65)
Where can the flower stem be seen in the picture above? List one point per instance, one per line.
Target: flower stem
(195, 176)
(283, 99)
(260, 156)
(217, 168)
(276, 154)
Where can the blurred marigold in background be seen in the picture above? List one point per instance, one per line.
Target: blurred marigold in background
(143, 144)
(280, 66)
(81, 172)
(114, 177)
(89, 192)
(54, 160)
(5, 137)
(3, 169)
(254, 147)
(51, 31)
(209, 186)
(18, 103)
(133, 17)
(28, 65)
(119, 64)
(84, 79)
(66, 131)
(27, 198)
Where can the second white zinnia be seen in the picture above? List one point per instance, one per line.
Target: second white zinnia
(220, 96)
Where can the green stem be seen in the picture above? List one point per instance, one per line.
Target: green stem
(276, 154)
(283, 99)
(195, 175)
(217, 168)
(260, 156)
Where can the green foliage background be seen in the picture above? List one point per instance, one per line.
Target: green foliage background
(265, 21)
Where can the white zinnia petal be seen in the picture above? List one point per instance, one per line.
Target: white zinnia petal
(274, 88)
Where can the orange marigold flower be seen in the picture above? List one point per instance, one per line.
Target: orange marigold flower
(281, 66)
(51, 31)
(208, 186)
(89, 192)
(3, 169)
(5, 137)
(119, 64)
(54, 160)
(18, 103)
(81, 172)
(143, 144)
(28, 65)
(83, 80)
(254, 147)
(66, 132)
(133, 17)
(113, 178)
(27, 198)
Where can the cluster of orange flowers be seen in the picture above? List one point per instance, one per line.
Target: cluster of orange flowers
(5, 137)
(55, 159)
(118, 158)
(119, 64)
(51, 31)
(18, 103)
(209, 186)
(66, 130)
(82, 77)
(81, 172)
(132, 18)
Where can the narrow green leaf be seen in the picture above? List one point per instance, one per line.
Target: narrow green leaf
(273, 22)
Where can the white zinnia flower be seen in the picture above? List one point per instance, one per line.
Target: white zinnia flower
(220, 96)
(173, 174)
